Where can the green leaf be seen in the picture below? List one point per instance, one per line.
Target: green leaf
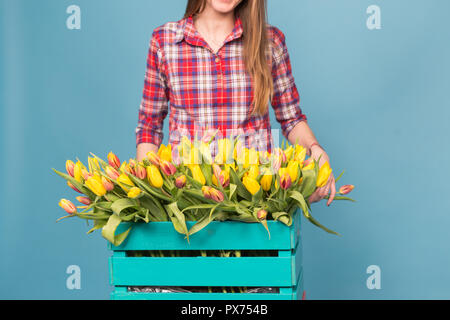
(98, 224)
(340, 198)
(233, 188)
(109, 230)
(316, 223)
(241, 190)
(178, 219)
(204, 221)
(300, 199)
(119, 205)
(339, 177)
(206, 169)
(308, 185)
(283, 217)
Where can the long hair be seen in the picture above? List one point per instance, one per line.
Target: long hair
(253, 14)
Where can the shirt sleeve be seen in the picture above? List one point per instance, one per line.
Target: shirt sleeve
(154, 105)
(285, 100)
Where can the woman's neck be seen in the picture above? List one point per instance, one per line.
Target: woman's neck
(215, 24)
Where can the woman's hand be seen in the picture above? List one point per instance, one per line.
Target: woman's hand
(320, 193)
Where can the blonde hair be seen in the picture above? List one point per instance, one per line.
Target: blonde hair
(253, 14)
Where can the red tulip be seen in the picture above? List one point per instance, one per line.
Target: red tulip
(180, 182)
(285, 181)
(113, 160)
(167, 167)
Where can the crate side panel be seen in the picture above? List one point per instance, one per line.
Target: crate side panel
(203, 271)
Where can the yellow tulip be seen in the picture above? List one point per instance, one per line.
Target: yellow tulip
(134, 192)
(123, 166)
(299, 154)
(288, 152)
(96, 186)
(230, 165)
(253, 171)
(323, 175)
(165, 153)
(197, 173)
(124, 182)
(251, 185)
(266, 180)
(154, 176)
(77, 171)
(309, 164)
(292, 169)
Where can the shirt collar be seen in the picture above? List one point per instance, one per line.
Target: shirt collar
(188, 32)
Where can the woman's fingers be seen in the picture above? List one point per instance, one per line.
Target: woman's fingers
(333, 191)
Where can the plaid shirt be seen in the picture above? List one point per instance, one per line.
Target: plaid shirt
(210, 91)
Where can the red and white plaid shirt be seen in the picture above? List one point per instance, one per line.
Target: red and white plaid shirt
(210, 91)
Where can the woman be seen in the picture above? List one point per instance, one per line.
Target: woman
(219, 67)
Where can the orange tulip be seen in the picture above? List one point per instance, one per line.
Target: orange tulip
(70, 167)
(140, 171)
(262, 214)
(73, 187)
(84, 200)
(153, 158)
(346, 188)
(112, 173)
(109, 186)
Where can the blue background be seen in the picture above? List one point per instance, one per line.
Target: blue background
(377, 101)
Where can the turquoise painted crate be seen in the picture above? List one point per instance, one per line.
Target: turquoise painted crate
(281, 269)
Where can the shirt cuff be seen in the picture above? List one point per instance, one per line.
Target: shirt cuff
(149, 136)
(289, 125)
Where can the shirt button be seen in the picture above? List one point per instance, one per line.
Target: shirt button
(217, 60)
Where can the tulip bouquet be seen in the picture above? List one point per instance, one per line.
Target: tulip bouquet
(189, 184)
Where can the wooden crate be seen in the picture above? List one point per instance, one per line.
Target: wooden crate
(282, 269)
